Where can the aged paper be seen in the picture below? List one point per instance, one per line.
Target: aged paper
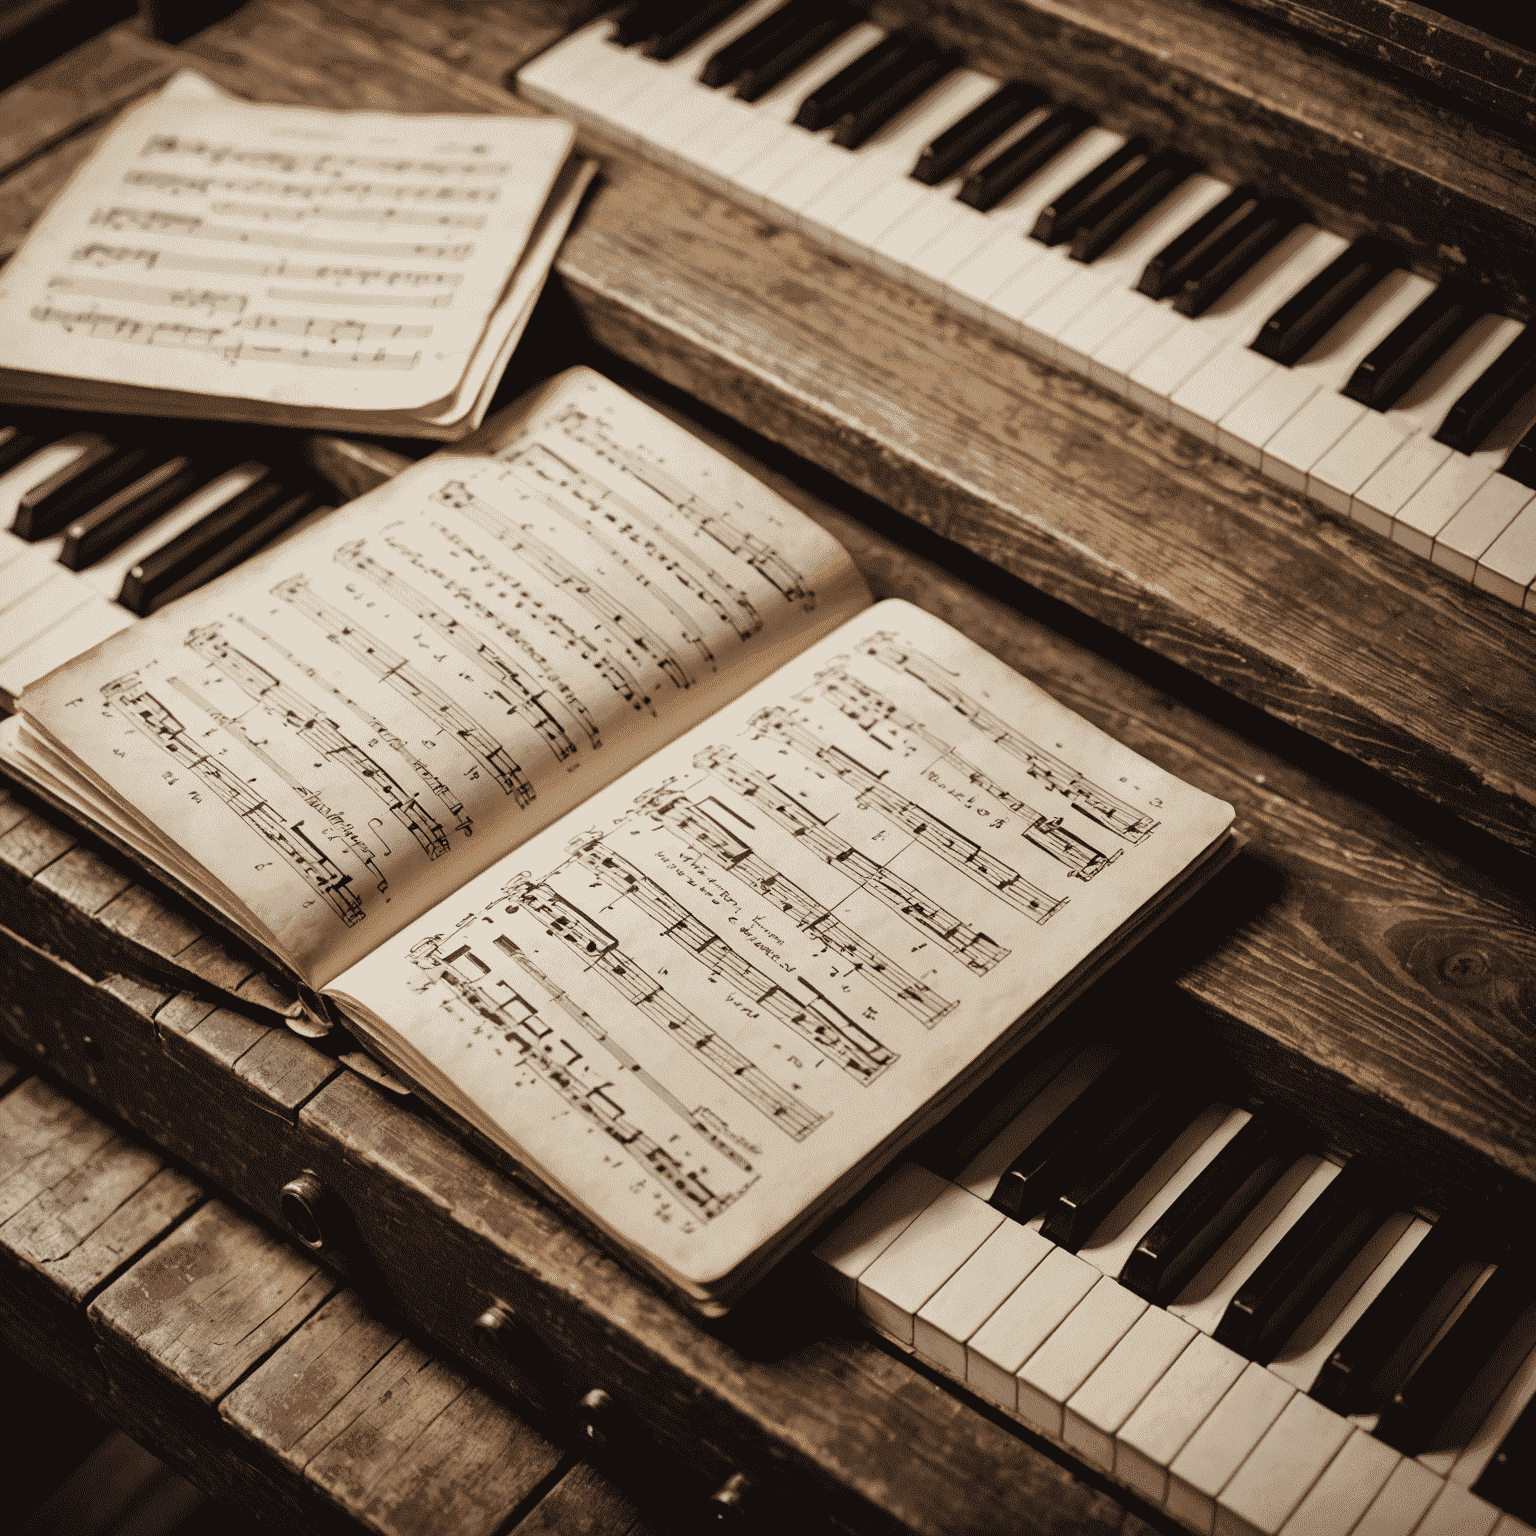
(708, 993)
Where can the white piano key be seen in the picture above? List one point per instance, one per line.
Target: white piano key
(34, 469)
(1508, 566)
(1215, 387)
(932, 1248)
(1306, 1352)
(1089, 331)
(1204, 1300)
(1171, 1412)
(49, 603)
(1458, 1512)
(1307, 436)
(928, 222)
(1439, 499)
(1114, 359)
(1346, 1489)
(1095, 1412)
(1380, 499)
(74, 634)
(1489, 511)
(975, 1291)
(1229, 326)
(1489, 1435)
(1024, 1322)
(1398, 1508)
(1248, 427)
(847, 1251)
(964, 233)
(1114, 1240)
(1481, 1399)
(1509, 1526)
(1295, 1452)
(566, 68)
(1221, 1444)
(23, 576)
(1064, 1362)
(1358, 454)
(981, 1174)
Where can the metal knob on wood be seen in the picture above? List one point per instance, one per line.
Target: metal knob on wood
(523, 1359)
(728, 1502)
(596, 1416)
(304, 1202)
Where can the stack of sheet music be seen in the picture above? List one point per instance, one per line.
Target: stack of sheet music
(365, 271)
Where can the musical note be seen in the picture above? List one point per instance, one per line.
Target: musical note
(157, 221)
(291, 164)
(175, 182)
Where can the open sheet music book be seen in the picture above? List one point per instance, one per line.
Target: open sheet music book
(577, 770)
(366, 271)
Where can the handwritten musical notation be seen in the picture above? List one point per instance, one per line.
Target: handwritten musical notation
(147, 714)
(1121, 818)
(292, 163)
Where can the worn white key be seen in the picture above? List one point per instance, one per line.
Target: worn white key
(73, 635)
(847, 1251)
(975, 1291)
(1458, 1512)
(1379, 500)
(1489, 1435)
(1307, 1350)
(1357, 455)
(23, 576)
(1508, 566)
(49, 603)
(1095, 1412)
(1065, 1361)
(1114, 358)
(1346, 1489)
(932, 1248)
(1489, 511)
(551, 78)
(1024, 1322)
(1171, 1412)
(1398, 1508)
(1439, 499)
(1090, 330)
(1221, 1444)
(1063, 1088)
(1204, 1300)
(1307, 436)
(1295, 1452)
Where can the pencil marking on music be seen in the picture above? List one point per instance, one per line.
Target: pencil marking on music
(599, 951)
(957, 850)
(976, 950)
(707, 837)
(626, 626)
(1088, 798)
(871, 711)
(593, 432)
(299, 714)
(393, 670)
(529, 703)
(821, 1023)
(137, 705)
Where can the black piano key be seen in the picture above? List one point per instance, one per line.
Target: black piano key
(1426, 1399)
(1005, 108)
(857, 83)
(1060, 218)
(16, 444)
(1117, 209)
(1205, 1215)
(224, 557)
(1185, 254)
(792, 49)
(1303, 318)
(112, 522)
(986, 187)
(687, 31)
(1521, 463)
(165, 574)
(1305, 1262)
(651, 18)
(1352, 1378)
(725, 63)
(1119, 1162)
(1390, 368)
(1272, 221)
(1483, 406)
(47, 508)
(919, 72)
(1509, 1480)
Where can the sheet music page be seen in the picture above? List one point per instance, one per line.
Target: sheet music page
(715, 988)
(355, 724)
(286, 254)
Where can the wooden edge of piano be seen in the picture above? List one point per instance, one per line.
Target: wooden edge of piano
(1332, 983)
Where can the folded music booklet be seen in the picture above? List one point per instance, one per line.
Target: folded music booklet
(580, 773)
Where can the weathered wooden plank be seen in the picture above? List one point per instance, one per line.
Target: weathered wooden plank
(32, 844)
(11, 1073)
(583, 1503)
(1129, 520)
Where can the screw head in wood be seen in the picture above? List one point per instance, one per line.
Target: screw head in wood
(303, 1201)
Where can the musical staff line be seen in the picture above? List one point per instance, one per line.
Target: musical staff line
(141, 709)
(189, 226)
(529, 703)
(290, 164)
(1056, 773)
(960, 852)
(395, 672)
(268, 212)
(297, 712)
(843, 1042)
(976, 950)
(612, 614)
(707, 838)
(174, 182)
(592, 431)
(869, 709)
(98, 254)
(599, 951)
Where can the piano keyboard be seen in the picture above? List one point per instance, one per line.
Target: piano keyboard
(1397, 403)
(99, 529)
(1249, 1335)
